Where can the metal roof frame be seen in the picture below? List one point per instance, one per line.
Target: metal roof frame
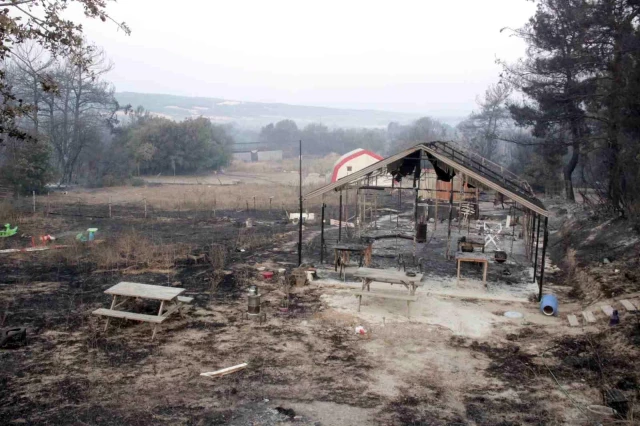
(482, 171)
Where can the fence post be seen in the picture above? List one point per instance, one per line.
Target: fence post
(48, 205)
(110, 207)
(254, 203)
(270, 199)
(34, 201)
(145, 208)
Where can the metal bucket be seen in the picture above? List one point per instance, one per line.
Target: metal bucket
(254, 304)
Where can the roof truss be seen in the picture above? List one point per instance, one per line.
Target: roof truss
(451, 158)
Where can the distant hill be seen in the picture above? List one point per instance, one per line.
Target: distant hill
(256, 114)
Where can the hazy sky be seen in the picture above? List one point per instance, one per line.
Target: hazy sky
(428, 56)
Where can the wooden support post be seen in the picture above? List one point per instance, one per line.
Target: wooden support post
(535, 260)
(415, 212)
(346, 206)
(340, 218)
(374, 213)
(113, 305)
(513, 213)
(436, 221)
(324, 206)
(533, 230)
(450, 218)
(357, 214)
(254, 203)
(544, 253)
(525, 233)
(463, 185)
(399, 207)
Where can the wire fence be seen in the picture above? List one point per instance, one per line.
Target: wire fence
(143, 208)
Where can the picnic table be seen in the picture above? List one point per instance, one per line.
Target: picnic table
(123, 292)
(390, 276)
(482, 258)
(342, 253)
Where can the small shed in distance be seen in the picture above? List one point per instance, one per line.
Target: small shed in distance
(352, 162)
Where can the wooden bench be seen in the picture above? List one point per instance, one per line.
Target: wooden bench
(129, 315)
(407, 298)
(185, 299)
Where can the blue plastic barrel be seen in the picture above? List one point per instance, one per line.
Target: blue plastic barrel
(549, 305)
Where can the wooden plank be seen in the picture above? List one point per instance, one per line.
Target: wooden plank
(350, 247)
(145, 291)
(608, 310)
(128, 315)
(573, 321)
(385, 295)
(473, 257)
(185, 299)
(391, 276)
(171, 310)
(588, 316)
(225, 371)
(628, 305)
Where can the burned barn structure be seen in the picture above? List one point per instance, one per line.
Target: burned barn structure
(438, 186)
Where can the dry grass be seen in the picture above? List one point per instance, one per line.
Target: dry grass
(207, 199)
(133, 250)
(130, 251)
(217, 256)
(320, 165)
(8, 213)
(249, 239)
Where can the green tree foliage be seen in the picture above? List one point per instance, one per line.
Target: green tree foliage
(555, 76)
(159, 145)
(319, 139)
(25, 164)
(580, 78)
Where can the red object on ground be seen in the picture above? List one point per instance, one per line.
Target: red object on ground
(267, 274)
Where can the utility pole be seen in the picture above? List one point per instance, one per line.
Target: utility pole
(300, 219)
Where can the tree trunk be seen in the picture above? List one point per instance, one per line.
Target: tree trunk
(616, 178)
(570, 167)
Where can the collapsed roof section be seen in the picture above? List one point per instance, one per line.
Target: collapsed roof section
(447, 161)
